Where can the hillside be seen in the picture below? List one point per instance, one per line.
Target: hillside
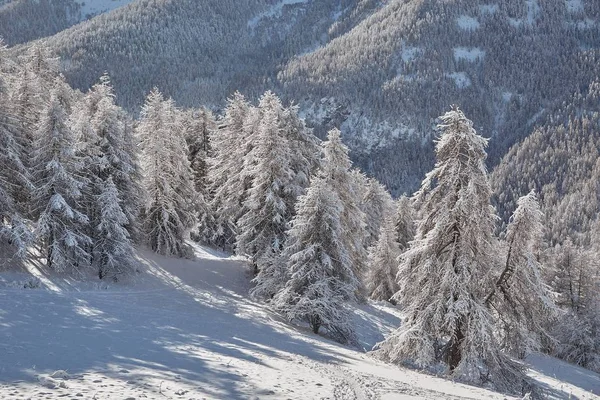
(383, 71)
(24, 20)
(186, 329)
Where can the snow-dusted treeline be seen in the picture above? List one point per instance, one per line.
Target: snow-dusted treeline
(82, 183)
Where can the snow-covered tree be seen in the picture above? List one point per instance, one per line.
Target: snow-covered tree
(270, 200)
(59, 182)
(113, 252)
(405, 222)
(336, 167)
(444, 274)
(520, 297)
(383, 263)
(169, 212)
(15, 184)
(319, 274)
(199, 126)
(378, 205)
(226, 175)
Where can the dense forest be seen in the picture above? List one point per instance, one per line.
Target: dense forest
(83, 183)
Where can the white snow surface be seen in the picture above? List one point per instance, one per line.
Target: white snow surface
(94, 7)
(471, 54)
(488, 9)
(273, 11)
(467, 23)
(186, 329)
(460, 79)
(574, 6)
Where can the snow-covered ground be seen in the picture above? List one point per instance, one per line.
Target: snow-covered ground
(187, 330)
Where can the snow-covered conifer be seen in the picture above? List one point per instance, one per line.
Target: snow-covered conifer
(405, 222)
(15, 184)
(383, 263)
(321, 279)
(444, 274)
(58, 179)
(226, 175)
(113, 253)
(270, 200)
(169, 211)
(336, 168)
(520, 296)
(378, 205)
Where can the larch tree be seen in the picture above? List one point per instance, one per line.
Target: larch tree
(15, 184)
(405, 222)
(59, 182)
(272, 193)
(106, 147)
(199, 126)
(114, 255)
(336, 167)
(318, 279)
(444, 276)
(226, 175)
(169, 212)
(383, 264)
(520, 297)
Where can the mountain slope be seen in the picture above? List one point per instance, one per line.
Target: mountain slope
(197, 52)
(383, 71)
(24, 20)
(560, 160)
(187, 329)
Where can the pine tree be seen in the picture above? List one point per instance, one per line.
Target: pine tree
(226, 177)
(59, 183)
(336, 167)
(520, 297)
(269, 205)
(444, 274)
(405, 222)
(169, 212)
(15, 182)
(113, 252)
(199, 126)
(383, 264)
(319, 274)
(377, 204)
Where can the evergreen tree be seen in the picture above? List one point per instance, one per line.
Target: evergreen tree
(15, 184)
(405, 222)
(377, 204)
(169, 212)
(444, 274)
(520, 296)
(59, 183)
(336, 167)
(383, 264)
(319, 266)
(113, 253)
(269, 205)
(226, 177)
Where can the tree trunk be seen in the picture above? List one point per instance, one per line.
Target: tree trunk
(315, 323)
(454, 354)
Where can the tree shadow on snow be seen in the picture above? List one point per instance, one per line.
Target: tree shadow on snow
(182, 325)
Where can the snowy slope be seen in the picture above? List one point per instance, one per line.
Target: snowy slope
(91, 8)
(186, 330)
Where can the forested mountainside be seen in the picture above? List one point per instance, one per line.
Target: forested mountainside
(560, 160)
(24, 20)
(383, 70)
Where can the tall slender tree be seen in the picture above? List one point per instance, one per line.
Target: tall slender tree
(520, 297)
(59, 183)
(170, 211)
(319, 279)
(444, 274)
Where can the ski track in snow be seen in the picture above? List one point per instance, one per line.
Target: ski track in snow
(187, 330)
